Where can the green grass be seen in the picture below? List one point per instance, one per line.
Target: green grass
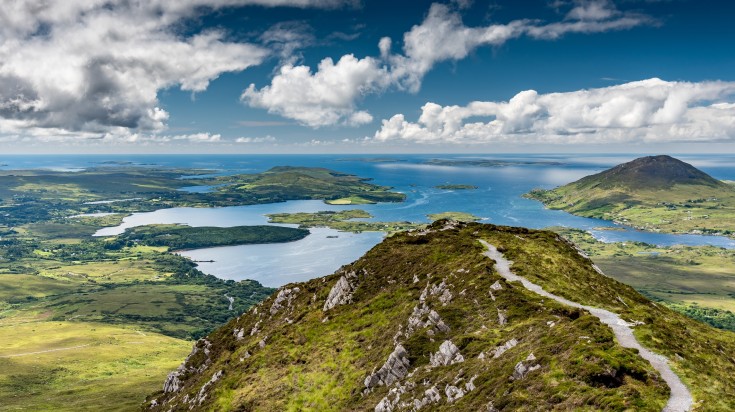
(459, 216)
(677, 209)
(178, 237)
(314, 360)
(698, 281)
(342, 221)
(88, 366)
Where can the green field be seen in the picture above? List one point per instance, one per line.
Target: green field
(87, 321)
(73, 366)
(697, 281)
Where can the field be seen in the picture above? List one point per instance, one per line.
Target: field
(72, 366)
(91, 321)
(697, 281)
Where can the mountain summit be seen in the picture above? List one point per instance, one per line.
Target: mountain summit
(658, 193)
(650, 172)
(437, 320)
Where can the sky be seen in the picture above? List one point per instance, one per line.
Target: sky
(367, 76)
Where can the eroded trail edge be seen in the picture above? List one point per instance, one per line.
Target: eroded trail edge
(680, 399)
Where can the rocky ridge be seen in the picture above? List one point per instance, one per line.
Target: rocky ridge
(424, 322)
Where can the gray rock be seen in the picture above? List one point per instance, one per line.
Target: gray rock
(448, 354)
(341, 293)
(423, 317)
(238, 333)
(453, 393)
(521, 369)
(283, 299)
(202, 395)
(504, 347)
(393, 370)
(496, 285)
(502, 318)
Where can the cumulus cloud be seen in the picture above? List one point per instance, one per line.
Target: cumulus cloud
(648, 110)
(97, 65)
(325, 97)
(298, 93)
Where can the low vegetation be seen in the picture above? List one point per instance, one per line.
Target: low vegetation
(696, 281)
(297, 354)
(177, 237)
(656, 193)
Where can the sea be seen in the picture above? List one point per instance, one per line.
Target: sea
(496, 200)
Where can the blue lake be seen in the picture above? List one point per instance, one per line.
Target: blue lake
(498, 200)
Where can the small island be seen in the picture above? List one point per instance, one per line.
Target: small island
(456, 187)
(342, 221)
(458, 216)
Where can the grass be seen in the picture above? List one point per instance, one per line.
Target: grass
(697, 281)
(680, 208)
(177, 237)
(316, 360)
(458, 216)
(342, 221)
(107, 365)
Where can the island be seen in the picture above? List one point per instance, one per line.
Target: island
(654, 193)
(455, 187)
(458, 216)
(489, 162)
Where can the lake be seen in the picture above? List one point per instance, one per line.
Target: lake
(497, 200)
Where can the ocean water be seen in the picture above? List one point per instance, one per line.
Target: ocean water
(497, 200)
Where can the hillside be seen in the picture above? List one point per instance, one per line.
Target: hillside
(425, 321)
(657, 193)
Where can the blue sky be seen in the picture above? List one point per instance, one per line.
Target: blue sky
(250, 76)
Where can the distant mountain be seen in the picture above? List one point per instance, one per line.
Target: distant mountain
(655, 192)
(650, 172)
(426, 321)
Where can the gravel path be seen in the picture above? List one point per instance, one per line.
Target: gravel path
(680, 399)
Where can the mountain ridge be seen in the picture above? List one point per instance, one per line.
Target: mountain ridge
(424, 321)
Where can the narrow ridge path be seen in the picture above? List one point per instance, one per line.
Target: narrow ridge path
(680, 399)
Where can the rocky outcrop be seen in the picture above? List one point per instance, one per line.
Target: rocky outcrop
(341, 293)
(423, 317)
(447, 354)
(283, 299)
(523, 368)
(504, 347)
(394, 369)
(174, 380)
(202, 395)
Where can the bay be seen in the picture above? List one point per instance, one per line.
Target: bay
(497, 200)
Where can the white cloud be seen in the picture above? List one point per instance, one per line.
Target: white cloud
(97, 65)
(310, 98)
(326, 97)
(648, 110)
(264, 139)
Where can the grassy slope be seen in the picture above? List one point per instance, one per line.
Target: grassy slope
(114, 367)
(690, 201)
(317, 361)
(698, 281)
